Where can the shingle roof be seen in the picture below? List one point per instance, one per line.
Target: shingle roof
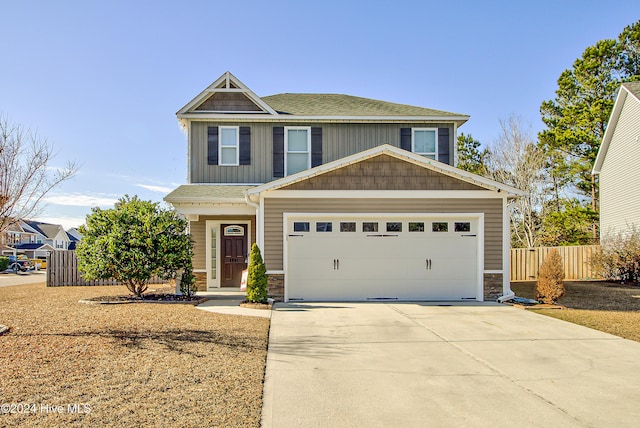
(29, 246)
(344, 105)
(46, 229)
(207, 192)
(633, 87)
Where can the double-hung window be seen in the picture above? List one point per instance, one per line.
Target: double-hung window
(423, 142)
(297, 143)
(229, 143)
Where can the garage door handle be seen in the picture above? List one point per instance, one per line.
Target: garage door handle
(468, 235)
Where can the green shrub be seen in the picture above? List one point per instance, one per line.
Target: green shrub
(4, 263)
(550, 285)
(132, 242)
(257, 280)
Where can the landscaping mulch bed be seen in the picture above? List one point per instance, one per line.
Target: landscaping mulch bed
(162, 295)
(606, 306)
(128, 365)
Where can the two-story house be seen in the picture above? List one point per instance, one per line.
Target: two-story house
(617, 164)
(348, 198)
(24, 237)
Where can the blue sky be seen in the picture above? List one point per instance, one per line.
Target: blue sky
(102, 80)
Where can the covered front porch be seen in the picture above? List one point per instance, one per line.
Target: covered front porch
(223, 228)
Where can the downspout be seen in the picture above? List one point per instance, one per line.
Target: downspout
(247, 199)
(506, 268)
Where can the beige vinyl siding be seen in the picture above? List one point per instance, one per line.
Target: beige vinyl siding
(274, 209)
(199, 237)
(620, 174)
(338, 140)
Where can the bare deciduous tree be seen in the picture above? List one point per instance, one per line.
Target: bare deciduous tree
(25, 174)
(515, 159)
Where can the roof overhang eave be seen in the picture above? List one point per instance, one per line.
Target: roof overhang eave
(261, 117)
(204, 200)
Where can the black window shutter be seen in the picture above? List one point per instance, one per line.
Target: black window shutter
(245, 145)
(212, 145)
(405, 138)
(278, 151)
(316, 147)
(443, 145)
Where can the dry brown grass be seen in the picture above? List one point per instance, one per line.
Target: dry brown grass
(134, 364)
(610, 307)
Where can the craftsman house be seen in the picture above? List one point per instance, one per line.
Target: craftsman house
(617, 164)
(348, 198)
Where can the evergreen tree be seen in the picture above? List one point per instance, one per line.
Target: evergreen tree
(470, 158)
(257, 280)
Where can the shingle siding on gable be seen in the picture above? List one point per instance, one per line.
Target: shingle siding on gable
(338, 140)
(227, 101)
(382, 173)
(620, 172)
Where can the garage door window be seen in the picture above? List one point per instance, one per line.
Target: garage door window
(368, 226)
(394, 226)
(348, 226)
(440, 226)
(324, 226)
(301, 226)
(417, 226)
(462, 226)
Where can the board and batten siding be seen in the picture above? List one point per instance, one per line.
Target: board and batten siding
(338, 140)
(198, 231)
(275, 207)
(620, 175)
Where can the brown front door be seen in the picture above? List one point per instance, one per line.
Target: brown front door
(234, 253)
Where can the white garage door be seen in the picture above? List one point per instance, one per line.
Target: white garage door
(373, 258)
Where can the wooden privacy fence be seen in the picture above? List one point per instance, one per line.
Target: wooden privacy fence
(525, 262)
(62, 269)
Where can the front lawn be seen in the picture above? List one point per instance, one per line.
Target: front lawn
(132, 364)
(610, 307)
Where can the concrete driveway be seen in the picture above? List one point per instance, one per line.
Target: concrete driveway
(422, 365)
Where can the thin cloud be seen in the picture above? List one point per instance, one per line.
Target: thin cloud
(159, 189)
(81, 200)
(66, 222)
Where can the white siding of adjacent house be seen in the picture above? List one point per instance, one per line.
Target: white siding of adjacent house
(620, 173)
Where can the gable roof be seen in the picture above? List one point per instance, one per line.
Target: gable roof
(228, 96)
(345, 105)
(631, 89)
(394, 152)
(227, 84)
(50, 231)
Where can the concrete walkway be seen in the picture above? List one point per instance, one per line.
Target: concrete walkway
(227, 301)
(416, 365)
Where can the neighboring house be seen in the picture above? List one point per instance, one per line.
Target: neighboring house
(54, 234)
(618, 164)
(348, 198)
(22, 238)
(74, 236)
